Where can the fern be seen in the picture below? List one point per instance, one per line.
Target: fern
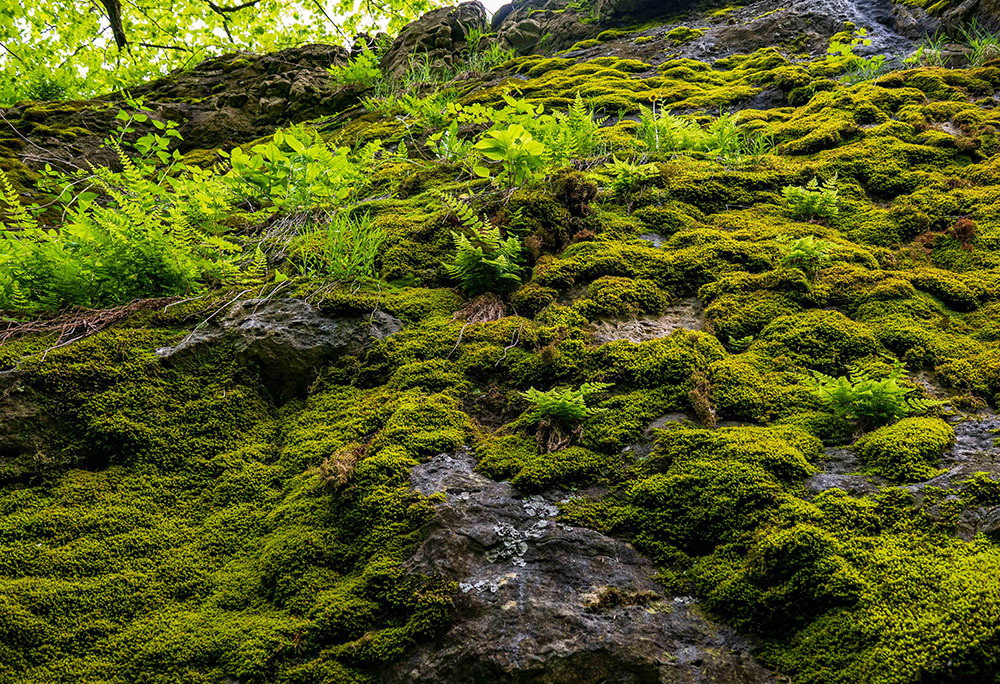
(487, 262)
(814, 201)
(872, 401)
(466, 216)
(565, 406)
(19, 217)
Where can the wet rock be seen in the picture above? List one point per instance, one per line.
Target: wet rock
(288, 340)
(686, 314)
(440, 36)
(636, 11)
(768, 23)
(542, 601)
(838, 470)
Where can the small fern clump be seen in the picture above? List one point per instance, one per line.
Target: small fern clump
(814, 201)
(808, 254)
(870, 401)
(629, 177)
(485, 262)
(567, 406)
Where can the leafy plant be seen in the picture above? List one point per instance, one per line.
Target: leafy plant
(362, 70)
(564, 406)
(843, 53)
(519, 155)
(808, 254)
(341, 245)
(814, 201)
(294, 170)
(447, 145)
(869, 400)
(485, 262)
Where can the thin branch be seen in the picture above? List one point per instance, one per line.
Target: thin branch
(164, 47)
(12, 53)
(219, 9)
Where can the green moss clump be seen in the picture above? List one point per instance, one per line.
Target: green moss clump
(622, 297)
(907, 451)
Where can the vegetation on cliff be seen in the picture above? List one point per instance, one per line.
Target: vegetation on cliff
(191, 522)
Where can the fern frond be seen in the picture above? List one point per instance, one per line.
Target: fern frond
(468, 218)
(20, 217)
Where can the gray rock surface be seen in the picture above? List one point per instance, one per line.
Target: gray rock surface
(288, 340)
(686, 314)
(541, 601)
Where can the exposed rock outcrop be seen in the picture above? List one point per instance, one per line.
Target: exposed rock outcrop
(542, 601)
(440, 36)
(286, 339)
(222, 101)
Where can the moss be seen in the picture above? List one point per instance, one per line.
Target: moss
(584, 44)
(906, 451)
(683, 34)
(818, 339)
(611, 34)
(621, 297)
(791, 577)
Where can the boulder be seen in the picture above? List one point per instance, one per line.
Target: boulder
(286, 340)
(542, 601)
(542, 26)
(440, 37)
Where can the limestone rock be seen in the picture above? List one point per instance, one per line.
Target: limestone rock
(542, 601)
(286, 339)
(542, 26)
(441, 35)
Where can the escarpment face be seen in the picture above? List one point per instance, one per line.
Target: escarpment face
(608, 342)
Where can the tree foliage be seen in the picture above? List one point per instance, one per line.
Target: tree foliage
(52, 50)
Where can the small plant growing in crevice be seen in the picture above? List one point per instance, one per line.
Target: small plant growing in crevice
(813, 202)
(700, 396)
(984, 44)
(484, 262)
(808, 254)
(560, 412)
(341, 245)
(362, 71)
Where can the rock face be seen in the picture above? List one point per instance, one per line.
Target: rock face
(686, 314)
(542, 26)
(540, 601)
(440, 36)
(286, 339)
(222, 101)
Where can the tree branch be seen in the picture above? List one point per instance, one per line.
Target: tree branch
(219, 9)
(13, 54)
(113, 9)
